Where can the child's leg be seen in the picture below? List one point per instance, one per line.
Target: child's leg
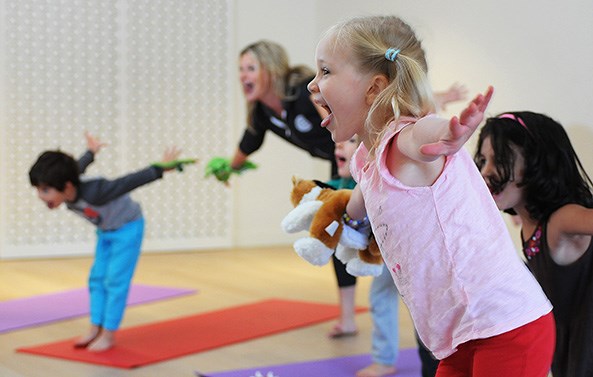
(96, 290)
(346, 325)
(125, 249)
(125, 245)
(524, 352)
(458, 364)
(384, 300)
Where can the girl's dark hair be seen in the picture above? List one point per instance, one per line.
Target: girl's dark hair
(54, 169)
(553, 175)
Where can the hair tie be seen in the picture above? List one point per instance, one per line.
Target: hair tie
(513, 117)
(391, 54)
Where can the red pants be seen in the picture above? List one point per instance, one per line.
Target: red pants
(524, 352)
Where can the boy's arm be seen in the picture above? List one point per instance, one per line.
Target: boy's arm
(93, 146)
(101, 191)
(171, 160)
(85, 160)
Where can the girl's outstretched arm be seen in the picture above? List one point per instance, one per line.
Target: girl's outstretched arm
(460, 129)
(355, 208)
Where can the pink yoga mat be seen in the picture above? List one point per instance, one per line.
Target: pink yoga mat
(39, 310)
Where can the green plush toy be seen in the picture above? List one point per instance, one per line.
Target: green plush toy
(220, 168)
(175, 164)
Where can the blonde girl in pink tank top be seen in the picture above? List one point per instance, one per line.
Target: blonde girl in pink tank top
(472, 300)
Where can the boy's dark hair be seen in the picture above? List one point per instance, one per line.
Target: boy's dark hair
(553, 175)
(54, 169)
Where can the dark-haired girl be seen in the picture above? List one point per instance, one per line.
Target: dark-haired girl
(533, 171)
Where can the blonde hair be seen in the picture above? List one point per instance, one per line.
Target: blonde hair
(273, 58)
(409, 92)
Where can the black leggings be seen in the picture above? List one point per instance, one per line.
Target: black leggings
(342, 276)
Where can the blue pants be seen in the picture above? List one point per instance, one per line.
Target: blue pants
(116, 256)
(384, 299)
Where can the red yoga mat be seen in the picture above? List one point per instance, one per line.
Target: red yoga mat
(147, 344)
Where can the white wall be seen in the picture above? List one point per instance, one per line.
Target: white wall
(538, 56)
(141, 75)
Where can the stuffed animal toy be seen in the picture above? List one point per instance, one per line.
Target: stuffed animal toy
(221, 169)
(175, 164)
(319, 208)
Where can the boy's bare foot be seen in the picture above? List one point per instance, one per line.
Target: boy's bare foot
(103, 342)
(84, 341)
(376, 370)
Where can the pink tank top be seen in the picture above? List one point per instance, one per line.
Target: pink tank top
(448, 251)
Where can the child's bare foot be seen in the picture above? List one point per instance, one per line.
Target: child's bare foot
(339, 331)
(376, 370)
(84, 341)
(103, 342)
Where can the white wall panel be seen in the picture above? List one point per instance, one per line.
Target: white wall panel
(140, 74)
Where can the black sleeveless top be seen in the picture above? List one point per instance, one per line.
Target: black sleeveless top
(570, 290)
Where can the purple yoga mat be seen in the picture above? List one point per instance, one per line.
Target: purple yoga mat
(38, 310)
(408, 365)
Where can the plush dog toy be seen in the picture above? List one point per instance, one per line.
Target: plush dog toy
(319, 208)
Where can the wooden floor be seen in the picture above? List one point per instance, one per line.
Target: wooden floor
(224, 278)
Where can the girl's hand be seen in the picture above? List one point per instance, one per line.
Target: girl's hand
(460, 129)
(92, 143)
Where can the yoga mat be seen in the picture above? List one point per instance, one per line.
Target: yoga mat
(408, 365)
(38, 310)
(142, 345)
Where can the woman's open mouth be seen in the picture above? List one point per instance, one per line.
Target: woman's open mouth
(248, 87)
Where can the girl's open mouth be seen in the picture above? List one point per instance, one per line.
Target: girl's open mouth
(327, 120)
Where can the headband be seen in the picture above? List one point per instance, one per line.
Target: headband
(391, 54)
(513, 117)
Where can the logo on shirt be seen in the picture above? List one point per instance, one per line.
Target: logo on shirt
(280, 124)
(302, 124)
(92, 215)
